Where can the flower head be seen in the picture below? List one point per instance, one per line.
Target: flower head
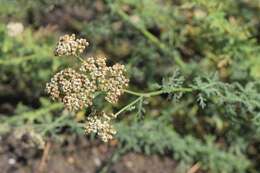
(74, 89)
(111, 80)
(100, 124)
(69, 45)
(14, 29)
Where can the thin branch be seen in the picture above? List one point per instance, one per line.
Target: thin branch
(81, 59)
(128, 106)
(194, 168)
(159, 92)
(163, 47)
(149, 94)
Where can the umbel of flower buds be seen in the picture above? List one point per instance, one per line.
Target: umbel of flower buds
(111, 80)
(69, 45)
(77, 89)
(100, 124)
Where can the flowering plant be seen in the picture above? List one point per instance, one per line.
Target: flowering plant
(77, 89)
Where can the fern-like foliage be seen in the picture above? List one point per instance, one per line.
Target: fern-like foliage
(163, 139)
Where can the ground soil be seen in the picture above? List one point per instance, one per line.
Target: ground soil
(77, 155)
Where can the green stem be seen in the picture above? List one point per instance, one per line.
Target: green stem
(31, 115)
(129, 105)
(150, 94)
(81, 59)
(159, 92)
(28, 116)
(53, 125)
(19, 60)
(163, 47)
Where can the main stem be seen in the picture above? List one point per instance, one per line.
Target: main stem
(149, 94)
(159, 92)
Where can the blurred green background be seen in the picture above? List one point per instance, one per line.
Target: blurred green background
(212, 45)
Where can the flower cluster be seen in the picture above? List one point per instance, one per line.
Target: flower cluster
(14, 29)
(75, 90)
(101, 125)
(110, 80)
(69, 45)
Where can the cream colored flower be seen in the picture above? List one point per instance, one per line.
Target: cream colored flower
(100, 124)
(111, 80)
(75, 90)
(14, 29)
(69, 45)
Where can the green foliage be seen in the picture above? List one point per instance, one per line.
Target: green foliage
(162, 139)
(26, 62)
(206, 112)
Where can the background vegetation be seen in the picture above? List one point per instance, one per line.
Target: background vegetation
(211, 46)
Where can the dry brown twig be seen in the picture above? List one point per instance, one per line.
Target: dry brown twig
(194, 168)
(44, 158)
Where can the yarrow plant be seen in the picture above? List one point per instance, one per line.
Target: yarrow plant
(100, 123)
(215, 45)
(77, 88)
